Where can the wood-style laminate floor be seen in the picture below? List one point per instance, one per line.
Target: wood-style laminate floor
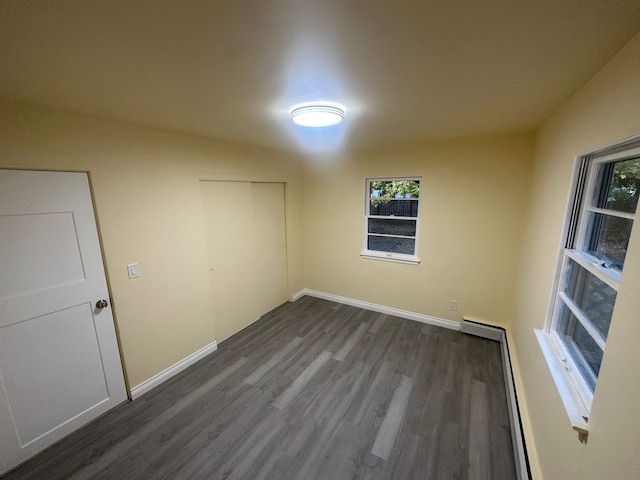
(313, 390)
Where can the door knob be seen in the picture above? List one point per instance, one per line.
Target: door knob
(102, 304)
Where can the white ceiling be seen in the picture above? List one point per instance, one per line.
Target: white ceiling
(406, 70)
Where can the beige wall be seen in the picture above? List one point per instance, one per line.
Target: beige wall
(606, 110)
(146, 190)
(473, 196)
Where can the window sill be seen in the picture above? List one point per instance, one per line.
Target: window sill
(408, 260)
(573, 404)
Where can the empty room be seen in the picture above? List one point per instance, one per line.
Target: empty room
(319, 240)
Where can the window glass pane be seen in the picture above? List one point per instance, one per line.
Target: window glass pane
(387, 226)
(584, 350)
(394, 197)
(394, 207)
(619, 183)
(594, 297)
(404, 246)
(394, 188)
(608, 237)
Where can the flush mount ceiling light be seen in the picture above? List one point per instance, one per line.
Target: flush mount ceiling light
(317, 114)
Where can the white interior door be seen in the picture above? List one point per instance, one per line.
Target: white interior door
(59, 359)
(245, 234)
(270, 245)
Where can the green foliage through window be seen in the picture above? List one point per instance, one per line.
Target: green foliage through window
(383, 191)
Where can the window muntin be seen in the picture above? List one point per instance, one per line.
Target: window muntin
(600, 226)
(391, 218)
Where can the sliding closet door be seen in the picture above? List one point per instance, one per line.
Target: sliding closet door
(270, 248)
(228, 219)
(245, 234)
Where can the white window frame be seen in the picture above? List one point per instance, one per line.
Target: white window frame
(382, 255)
(575, 392)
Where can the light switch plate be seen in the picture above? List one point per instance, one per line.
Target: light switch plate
(134, 270)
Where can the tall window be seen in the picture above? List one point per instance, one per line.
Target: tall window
(606, 197)
(391, 219)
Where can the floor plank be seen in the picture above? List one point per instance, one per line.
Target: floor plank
(388, 432)
(313, 390)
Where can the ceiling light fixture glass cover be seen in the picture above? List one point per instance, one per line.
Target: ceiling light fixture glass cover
(317, 114)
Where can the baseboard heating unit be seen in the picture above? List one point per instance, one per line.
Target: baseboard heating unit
(499, 334)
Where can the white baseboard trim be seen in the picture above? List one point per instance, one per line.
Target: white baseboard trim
(419, 317)
(174, 369)
(298, 295)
